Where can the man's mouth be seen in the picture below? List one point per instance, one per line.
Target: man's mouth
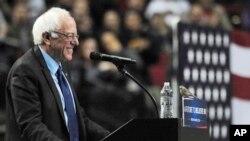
(70, 49)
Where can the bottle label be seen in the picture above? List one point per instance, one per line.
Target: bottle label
(166, 107)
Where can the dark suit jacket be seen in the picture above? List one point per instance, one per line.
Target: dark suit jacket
(33, 107)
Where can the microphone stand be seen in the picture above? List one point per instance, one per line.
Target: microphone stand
(121, 69)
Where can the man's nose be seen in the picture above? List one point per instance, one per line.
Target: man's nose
(75, 42)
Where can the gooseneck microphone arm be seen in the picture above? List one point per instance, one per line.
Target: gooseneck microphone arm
(121, 69)
(120, 63)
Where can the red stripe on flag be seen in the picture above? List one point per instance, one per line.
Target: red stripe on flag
(241, 38)
(240, 87)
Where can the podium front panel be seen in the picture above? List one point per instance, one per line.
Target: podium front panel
(157, 130)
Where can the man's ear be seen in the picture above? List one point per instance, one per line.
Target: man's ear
(46, 38)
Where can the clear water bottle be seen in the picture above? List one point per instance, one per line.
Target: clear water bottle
(166, 101)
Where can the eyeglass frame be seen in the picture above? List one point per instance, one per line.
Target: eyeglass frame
(68, 36)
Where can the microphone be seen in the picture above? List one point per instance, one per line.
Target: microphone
(111, 58)
(184, 91)
(120, 63)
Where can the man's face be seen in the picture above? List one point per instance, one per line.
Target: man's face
(61, 48)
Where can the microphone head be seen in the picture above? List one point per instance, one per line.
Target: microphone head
(111, 58)
(95, 56)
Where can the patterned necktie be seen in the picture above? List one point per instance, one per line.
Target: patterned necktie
(69, 106)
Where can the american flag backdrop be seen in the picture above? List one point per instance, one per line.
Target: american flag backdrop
(204, 68)
(240, 68)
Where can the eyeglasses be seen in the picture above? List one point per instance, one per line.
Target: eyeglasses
(68, 36)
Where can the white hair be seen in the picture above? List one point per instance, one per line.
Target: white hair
(47, 22)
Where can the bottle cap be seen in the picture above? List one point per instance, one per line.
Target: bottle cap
(165, 87)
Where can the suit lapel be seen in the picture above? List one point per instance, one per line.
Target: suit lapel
(49, 79)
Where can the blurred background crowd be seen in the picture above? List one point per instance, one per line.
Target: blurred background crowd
(138, 29)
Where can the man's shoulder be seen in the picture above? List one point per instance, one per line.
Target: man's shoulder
(26, 61)
(27, 58)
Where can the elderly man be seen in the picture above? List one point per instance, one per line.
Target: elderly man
(41, 104)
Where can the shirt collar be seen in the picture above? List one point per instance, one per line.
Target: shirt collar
(51, 63)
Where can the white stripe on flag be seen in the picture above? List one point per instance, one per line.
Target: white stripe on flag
(240, 60)
(240, 111)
